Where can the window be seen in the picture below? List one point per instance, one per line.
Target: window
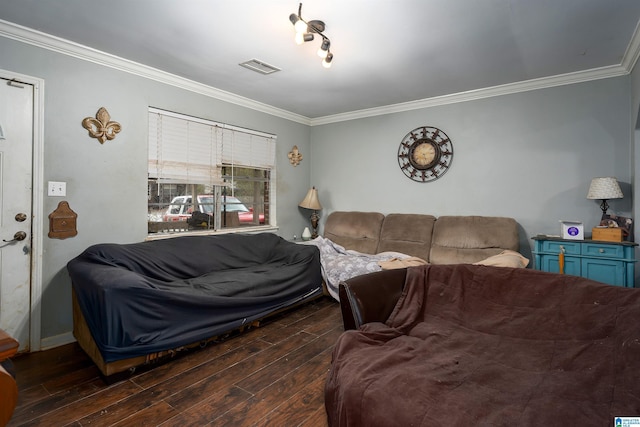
(205, 175)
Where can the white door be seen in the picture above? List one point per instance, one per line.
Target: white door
(16, 162)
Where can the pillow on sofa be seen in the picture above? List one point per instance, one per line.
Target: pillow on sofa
(506, 258)
(394, 263)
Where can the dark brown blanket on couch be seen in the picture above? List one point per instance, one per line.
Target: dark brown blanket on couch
(477, 346)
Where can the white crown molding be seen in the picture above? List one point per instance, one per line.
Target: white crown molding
(56, 44)
(523, 86)
(66, 47)
(630, 57)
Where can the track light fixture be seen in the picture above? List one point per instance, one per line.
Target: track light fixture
(305, 31)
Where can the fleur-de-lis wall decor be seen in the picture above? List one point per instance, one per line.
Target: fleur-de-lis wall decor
(295, 157)
(101, 127)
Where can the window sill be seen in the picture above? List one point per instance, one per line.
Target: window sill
(250, 230)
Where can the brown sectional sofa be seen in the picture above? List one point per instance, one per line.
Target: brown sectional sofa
(453, 343)
(481, 346)
(443, 240)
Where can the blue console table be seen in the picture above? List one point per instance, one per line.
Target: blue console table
(612, 263)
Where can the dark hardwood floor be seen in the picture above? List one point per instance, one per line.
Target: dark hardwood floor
(272, 375)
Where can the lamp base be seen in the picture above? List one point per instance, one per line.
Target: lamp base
(604, 206)
(314, 224)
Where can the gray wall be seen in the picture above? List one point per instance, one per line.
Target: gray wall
(529, 155)
(106, 184)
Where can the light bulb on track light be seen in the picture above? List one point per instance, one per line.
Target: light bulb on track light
(324, 48)
(300, 26)
(326, 62)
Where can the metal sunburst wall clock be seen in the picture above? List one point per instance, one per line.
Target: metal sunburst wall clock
(425, 154)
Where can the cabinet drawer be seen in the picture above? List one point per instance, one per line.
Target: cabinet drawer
(555, 247)
(602, 250)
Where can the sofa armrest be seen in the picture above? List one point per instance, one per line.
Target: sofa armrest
(370, 297)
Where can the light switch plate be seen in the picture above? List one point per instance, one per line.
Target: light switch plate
(57, 189)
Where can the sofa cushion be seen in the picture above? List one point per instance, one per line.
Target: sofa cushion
(407, 234)
(359, 231)
(469, 239)
(506, 258)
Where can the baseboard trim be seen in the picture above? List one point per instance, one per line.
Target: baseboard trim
(57, 341)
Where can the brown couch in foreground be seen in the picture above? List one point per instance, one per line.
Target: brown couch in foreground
(443, 240)
(476, 345)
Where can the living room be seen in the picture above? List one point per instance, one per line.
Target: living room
(524, 150)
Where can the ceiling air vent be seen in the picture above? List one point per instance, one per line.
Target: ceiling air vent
(259, 66)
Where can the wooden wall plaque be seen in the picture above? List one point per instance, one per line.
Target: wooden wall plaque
(62, 222)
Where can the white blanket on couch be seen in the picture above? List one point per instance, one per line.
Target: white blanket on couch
(340, 264)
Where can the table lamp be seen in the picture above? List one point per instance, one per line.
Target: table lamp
(311, 201)
(604, 188)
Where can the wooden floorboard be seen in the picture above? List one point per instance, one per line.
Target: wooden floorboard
(267, 376)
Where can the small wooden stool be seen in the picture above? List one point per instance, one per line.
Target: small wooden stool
(8, 386)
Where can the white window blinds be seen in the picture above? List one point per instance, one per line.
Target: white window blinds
(185, 149)
(245, 149)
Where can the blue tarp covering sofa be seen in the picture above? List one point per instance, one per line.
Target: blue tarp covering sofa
(152, 296)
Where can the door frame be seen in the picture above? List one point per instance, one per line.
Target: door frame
(37, 204)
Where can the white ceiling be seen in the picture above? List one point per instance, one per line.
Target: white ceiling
(385, 51)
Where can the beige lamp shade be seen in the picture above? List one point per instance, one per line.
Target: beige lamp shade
(311, 200)
(604, 188)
